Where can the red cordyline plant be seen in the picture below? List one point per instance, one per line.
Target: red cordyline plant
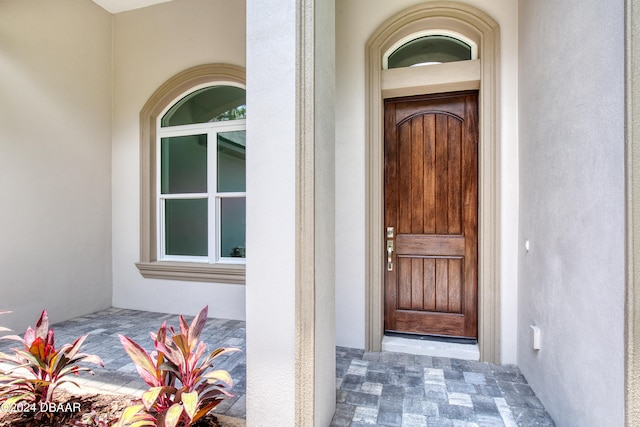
(3, 377)
(37, 370)
(184, 387)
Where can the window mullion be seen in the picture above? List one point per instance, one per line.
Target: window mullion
(160, 227)
(184, 196)
(212, 185)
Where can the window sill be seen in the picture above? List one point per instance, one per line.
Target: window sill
(193, 271)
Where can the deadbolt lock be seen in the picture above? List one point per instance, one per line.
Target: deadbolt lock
(390, 232)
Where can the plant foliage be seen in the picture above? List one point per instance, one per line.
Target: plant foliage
(184, 386)
(3, 376)
(36, 370)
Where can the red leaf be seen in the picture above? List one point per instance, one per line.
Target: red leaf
(162, 333)
(75, 347)
(183, 345)
(197, 325)
(144, 363)
(50, 339)
(29, 336)
(93, 358)
(184, 328)
(42, 327)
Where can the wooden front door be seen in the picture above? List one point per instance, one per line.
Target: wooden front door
(431, 215)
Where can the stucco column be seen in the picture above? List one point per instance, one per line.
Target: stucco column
(290, 215)
(632, 130)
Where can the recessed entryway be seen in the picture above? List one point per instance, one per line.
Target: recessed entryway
(480, 74)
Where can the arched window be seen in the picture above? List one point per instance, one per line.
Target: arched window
(192, 176)
(430, 47)
(209, 104)
(201, 172)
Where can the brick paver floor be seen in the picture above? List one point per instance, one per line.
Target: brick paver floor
(384, 389)
(394, 389)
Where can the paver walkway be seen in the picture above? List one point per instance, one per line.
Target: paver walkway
(384, 389)
(395, 389)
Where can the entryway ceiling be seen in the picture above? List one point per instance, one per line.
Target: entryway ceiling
(116, 6)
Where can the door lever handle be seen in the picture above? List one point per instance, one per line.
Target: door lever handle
(389, 255)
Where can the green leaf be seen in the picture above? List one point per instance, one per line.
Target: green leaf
(219, 375)
(172, 416)
(130, 412)
(150, 396)
(132, 416)
(146, 422)
(190, 402)
(13, 401)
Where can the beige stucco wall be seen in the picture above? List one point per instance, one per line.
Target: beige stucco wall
(150, 46)
(572, 207)
(55, 159)
(356, 21)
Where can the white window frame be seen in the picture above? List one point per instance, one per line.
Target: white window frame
(165, 95)
(214, 197)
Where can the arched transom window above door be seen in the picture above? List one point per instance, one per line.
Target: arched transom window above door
(430, 61)
(429, 48)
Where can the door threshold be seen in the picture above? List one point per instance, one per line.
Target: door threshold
(431, 348)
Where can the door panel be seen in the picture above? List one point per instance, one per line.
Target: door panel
(431, 200)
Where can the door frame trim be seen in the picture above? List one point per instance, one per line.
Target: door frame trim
(480, 27)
